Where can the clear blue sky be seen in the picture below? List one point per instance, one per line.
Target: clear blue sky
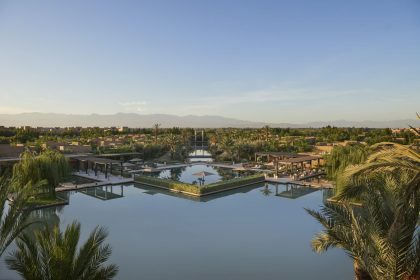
(273, 61)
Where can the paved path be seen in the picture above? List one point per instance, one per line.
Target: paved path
(101, 181)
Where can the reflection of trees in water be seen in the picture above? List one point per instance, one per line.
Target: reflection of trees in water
(228, 174)
(225, 173)
(43, 217)
(153, 174)
(266, 191)
(176, 173)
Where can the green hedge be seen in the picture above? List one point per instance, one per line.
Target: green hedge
(223, 185)
(197, 190)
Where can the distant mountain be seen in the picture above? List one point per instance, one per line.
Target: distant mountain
(136, 120)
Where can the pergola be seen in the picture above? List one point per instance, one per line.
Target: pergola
(123, 156)
(95, 162)
(300, 161)
(275, 155)
(290, 160)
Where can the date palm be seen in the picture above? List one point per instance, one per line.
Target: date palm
(388, 158)
(342, 229)
(383, 236)
(266, 132)
(401, 166)
(53, 255)
(227, 145)
(156, 131)
(173, 142)
(12, 217)
(379, 249)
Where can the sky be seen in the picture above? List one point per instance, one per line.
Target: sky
(272, 61)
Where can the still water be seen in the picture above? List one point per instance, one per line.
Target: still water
(250, 233)
(190, 174)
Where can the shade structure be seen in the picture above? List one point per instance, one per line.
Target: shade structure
(127, 164)
(135, 160)
(203, 174)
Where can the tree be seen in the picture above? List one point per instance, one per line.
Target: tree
(379, 249)
(173, 143)
(400, 166)
(50, 165)
(156, 131)
(382, 237)
(342, 229)
(266, 131)
(12, 218)
(54, 255)
(227, 145)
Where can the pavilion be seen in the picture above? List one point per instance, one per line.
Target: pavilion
(95, 163)
(292, 161)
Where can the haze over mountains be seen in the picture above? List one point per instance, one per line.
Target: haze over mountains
(136, 120)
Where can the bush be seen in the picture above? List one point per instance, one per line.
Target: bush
(167, 184)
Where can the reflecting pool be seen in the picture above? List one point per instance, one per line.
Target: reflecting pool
(190, 174)
(257, 232)
(200, 155)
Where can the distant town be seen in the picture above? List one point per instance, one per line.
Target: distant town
(97, 140)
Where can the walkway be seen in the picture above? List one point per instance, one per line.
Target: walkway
(101, 181)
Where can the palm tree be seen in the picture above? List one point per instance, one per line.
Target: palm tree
(383, 236)
(389, 158)
(266, 132)
(227, 145)
(156, 131)
(342, 229)
(379, 249)
(12, 218)
(173, 143)
(402, 168)
(54, 255)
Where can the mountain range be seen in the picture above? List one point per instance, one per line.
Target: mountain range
(137, 120)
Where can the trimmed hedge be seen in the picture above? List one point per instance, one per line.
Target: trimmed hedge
(229, 184)
(199, 190)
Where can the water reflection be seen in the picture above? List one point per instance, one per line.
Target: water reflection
(154, 191)
(200, 155)
(266, 191)
(218, 239)
(293, 191)
(186, 174)
(105, 192)
(41, 218)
